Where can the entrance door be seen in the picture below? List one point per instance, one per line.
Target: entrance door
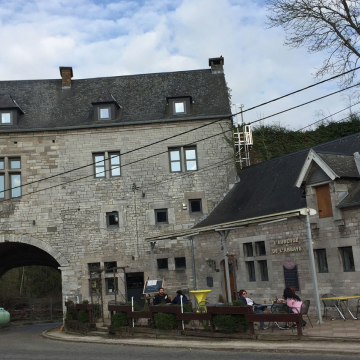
(135, 287)
(231, 278)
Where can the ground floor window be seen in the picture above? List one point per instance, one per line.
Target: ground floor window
(347, 258)
(251, 270)
(264, 270)
(110, 284)
(322, 260)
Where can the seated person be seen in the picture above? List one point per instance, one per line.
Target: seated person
(177, 298)
(247, 301)
(161, 298)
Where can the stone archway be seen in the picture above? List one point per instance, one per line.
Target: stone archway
(20, 250)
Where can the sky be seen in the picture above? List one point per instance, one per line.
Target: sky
(114, 38)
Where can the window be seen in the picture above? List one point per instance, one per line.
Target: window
(264, 270)
(99, 164)
(10, 177)
(251, 270)
(179, 107)
(195, 206)
(114, 159)
(175, 162)
(347, 258)
(321, 260)
(110, 285)
(112, 219)
(94, 267)
(109, 267)
(109, 168)
(324, 201)
(6, 118)
(162, 264)
(260, 248)
(161, 216)
(190, 159)
(248, 249)
(104, 113)
(183, 158)
(180, 263)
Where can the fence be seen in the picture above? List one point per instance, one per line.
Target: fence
(34, 310)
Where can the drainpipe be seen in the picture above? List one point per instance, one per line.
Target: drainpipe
(193, 261)
(152, 260)
(312, 266)
(224, 235)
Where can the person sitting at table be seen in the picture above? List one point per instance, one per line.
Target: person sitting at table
(293, 302)
(161, 298)
(177, 298)
(243, 297)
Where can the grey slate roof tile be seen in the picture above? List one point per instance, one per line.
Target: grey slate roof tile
(269, 187)
(143, 98)
(343, 165)
(352, 199)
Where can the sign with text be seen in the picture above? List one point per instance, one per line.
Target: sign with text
(152, 286)
(291, 276)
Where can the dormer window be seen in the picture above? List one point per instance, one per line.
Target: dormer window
(179, 105)
(6, 118)
(104, 113)
(106, 107)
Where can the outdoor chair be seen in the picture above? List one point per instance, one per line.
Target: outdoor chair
(357, 308)
(279, 308)
(332, 304)
(305, 309)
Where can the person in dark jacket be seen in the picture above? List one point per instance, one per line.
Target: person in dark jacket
(161, 298)
(177, 299)
(247, 301)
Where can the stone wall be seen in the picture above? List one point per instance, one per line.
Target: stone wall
(70, 217)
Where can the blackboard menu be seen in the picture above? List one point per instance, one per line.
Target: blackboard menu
(291, 277)
(153, 286)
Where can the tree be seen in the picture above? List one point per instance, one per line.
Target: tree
(330, 25)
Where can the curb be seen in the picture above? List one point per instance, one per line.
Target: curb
(340, 348)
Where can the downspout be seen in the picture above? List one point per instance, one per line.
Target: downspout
(152, 260)
(193, 261)
(224, 235)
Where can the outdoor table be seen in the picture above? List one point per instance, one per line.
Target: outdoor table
(344, 300)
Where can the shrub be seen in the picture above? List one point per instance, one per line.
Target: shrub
(226, 323)
(68, 316)
(83, 316)
(187, 308)
(238, 303)
(120, 319)
(97, 312)
(85, 302)
(165, 321)
(243, 322)
(137, 307)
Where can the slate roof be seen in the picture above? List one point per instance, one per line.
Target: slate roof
(105, 97)
(269, 187)
(6, 102)
(342, 165)
(352, 199)
(142, 97)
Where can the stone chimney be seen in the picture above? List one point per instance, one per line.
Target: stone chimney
(217, 65)
(66, 73)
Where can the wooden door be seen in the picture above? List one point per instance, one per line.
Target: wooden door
(231, 278)
(324, 201)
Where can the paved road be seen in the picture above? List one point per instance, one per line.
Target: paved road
(25, 343)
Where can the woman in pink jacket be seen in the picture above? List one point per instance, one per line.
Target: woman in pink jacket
(293, 302)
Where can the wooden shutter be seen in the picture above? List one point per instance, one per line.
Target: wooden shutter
(324, 201)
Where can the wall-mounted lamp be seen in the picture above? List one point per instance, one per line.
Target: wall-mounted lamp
(184, 206)
(211, 264)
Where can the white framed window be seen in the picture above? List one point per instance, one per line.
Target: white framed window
(183, 158)
(10, 177)
(6, 118)
(179, 107)
(104, 113)
(109, 168)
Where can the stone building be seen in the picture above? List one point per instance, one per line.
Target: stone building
(90, 167)
(260, 226)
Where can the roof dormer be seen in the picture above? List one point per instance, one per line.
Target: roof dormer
(105, 107)
(9, 111)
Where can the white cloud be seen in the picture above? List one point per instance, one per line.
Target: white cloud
(132, 37)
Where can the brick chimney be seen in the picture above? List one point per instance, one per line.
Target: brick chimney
(217, 65)
(66, 73)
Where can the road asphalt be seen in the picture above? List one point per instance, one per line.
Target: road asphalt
(312, 346)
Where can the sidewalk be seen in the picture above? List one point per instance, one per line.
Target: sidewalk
(332, 337)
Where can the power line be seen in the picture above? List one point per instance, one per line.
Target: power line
(201, 126)
(306, 103)
(329, 116)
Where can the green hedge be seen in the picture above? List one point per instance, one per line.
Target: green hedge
(83, 316)
(120, 319)
(165, 321)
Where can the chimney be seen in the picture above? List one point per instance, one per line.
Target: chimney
(217, 65)
(66, 73)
